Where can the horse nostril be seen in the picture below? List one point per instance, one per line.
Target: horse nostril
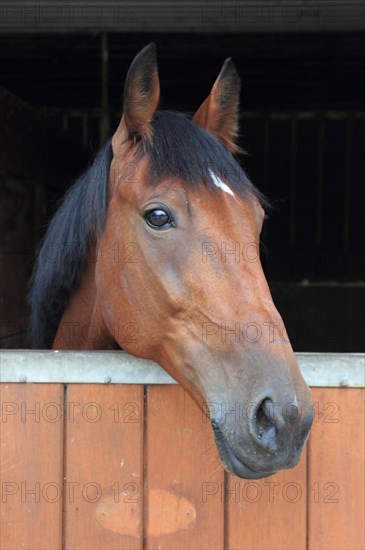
(264, 417)
(264, 427)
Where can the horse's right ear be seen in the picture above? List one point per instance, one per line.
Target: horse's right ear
(141, 97)
(219, 114)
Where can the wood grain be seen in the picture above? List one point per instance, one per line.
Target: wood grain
(268, 513)
(31, 466)
(184, 475)
(103, 464)
(129, 486)
(336, 470)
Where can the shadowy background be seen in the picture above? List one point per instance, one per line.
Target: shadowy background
(62, 69)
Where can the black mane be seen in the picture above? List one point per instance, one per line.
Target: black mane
(180, 149)
(63, 252)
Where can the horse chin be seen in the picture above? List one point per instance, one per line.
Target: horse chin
(232, 464)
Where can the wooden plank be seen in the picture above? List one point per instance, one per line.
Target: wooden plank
(268, 513)
(31, 466)
(336, 470)
(183, 470)
(104, 473)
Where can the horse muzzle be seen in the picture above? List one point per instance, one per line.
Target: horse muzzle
(269, 439)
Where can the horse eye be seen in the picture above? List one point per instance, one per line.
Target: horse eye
(158, 218)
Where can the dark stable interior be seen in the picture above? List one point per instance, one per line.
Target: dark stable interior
(302, 123)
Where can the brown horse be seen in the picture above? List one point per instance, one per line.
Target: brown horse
(154, 250)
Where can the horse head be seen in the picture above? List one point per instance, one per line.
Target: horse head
(197, 292)
(164, 262)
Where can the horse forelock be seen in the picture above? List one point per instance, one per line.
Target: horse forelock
(182, 150)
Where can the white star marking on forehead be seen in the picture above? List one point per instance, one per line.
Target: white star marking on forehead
(219, 183)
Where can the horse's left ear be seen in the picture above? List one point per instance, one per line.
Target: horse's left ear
(141, 97)
(219, 114)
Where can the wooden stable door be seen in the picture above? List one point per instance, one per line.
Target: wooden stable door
(88, 466)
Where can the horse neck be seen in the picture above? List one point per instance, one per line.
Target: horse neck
(82, 325)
